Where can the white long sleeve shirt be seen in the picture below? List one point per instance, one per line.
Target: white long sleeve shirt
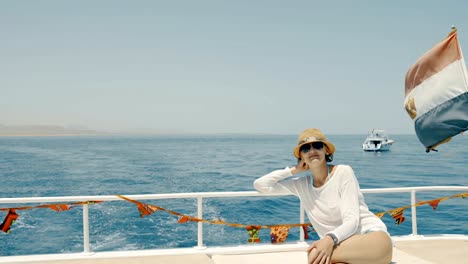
(337, 207)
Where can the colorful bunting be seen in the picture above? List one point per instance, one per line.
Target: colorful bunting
(183, 219)
(55, 207)
(145, 209)
(397, 214)
(307, 229)
(60, 207)
(21, 208)
(194, 219)
(434, 203)
(12, 215)
(279, 234)
(253, 233)
(8, 221)
(380, 215)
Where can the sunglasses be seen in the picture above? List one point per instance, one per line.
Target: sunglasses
(318, 145)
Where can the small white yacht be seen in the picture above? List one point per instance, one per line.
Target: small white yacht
(377, 140)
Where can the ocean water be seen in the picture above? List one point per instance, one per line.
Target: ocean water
(70, 166)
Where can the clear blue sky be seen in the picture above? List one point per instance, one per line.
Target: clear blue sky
(216, 66)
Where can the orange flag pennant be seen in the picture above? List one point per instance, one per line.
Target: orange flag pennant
(397, 214)
(59, 207)
(145, 209)
(183, 219)
(380, 215)
(434, 203)
(8, 221)
(279, 234)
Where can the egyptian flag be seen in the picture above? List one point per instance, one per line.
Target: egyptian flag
(436, 93)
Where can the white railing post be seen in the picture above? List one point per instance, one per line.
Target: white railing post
(200, 224)
(301, 220)
(85, 228)
(413, 213)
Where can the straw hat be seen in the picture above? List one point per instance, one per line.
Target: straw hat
(311, 135)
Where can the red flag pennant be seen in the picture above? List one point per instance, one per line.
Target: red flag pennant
(253, 233)
(183, 219)
(434, 203)
(307, 230)
(59, 207)
(279, 234)
(145, 209)
(8, 221)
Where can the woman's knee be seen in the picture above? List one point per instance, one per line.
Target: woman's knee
(383, 247)
(375, 247)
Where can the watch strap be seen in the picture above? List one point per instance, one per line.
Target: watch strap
(335, 239)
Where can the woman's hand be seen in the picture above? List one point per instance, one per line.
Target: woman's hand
(300, 167)
(320, 251)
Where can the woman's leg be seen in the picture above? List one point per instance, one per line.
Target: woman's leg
(373, 248)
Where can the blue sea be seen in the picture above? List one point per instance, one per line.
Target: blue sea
(108, 165)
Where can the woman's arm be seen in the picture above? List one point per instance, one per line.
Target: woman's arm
(273, 181)
(270, 183)
(349, 205)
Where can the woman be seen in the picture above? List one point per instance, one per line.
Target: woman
(348, 231)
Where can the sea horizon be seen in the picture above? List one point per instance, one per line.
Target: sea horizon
(60, 130)
(110, 134)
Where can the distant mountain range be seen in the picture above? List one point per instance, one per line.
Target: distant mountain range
(44, 130)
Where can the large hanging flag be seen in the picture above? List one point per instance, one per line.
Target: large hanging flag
(436, 93)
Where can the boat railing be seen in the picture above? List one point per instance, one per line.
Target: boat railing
(200, 196)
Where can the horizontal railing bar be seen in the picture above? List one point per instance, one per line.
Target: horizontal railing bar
(132, 196)
(419, 189)
(205, 195)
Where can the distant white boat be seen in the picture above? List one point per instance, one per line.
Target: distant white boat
(377, 140)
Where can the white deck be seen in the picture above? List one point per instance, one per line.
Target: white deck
(417, 250)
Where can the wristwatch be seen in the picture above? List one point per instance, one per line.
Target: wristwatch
(335, 239)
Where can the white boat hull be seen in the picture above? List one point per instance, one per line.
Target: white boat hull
(377, 140)
(378, 146)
